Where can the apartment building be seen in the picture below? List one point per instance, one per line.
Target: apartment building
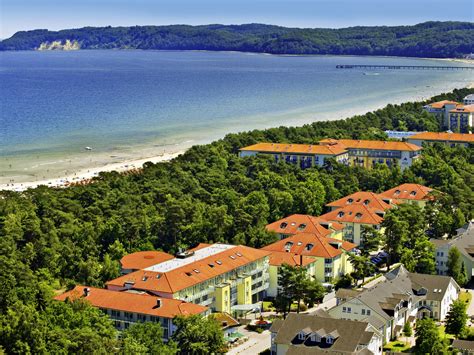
(303, 155)
(367, 153)
(330, 255)
(468, 100)
(449, 138)
(301, 223)
(402, 297)
(125, 308)
(218, 276)
(310, 334)
(142, 259)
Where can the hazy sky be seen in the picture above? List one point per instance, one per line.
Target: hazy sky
(19, 15)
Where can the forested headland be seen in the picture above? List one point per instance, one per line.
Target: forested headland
(429, 39)
(52, 238)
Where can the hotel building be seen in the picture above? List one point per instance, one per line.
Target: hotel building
(441, 110)
(461, 118)
(218, 276)
(367, 153)
(303, 155)
(448, 138)
(415, 194)
(125, 308)
(330, 255)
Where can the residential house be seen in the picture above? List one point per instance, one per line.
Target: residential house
(461, 118)
(367, 154)
(218, 276)
(449, 138)
(310, 334)
(126, 308)
(408, 193)
(301, 223)
(304, 155)
(441, 110)
(400, 298)
(330, 254)
(464, 242)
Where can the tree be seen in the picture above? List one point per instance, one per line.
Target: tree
(428, 339)
(456, 318)
(294, 284)
(455, 266)
(198, 335)
(407, 331)
(395, 236)
(362, 266)
(344, 281)
(146, 338)
(371, 239)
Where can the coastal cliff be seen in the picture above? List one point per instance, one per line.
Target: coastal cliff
(429, 39)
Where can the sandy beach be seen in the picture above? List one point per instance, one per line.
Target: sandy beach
(84, 176)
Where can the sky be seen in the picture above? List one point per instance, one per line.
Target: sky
(17, 15)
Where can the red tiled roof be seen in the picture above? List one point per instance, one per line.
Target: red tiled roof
(133, 302)
(321, 246)
(369, 199)
(441, 104)
(444, 136)
(301, 223)
(278, 258)
(369, 145)
(408, 192)
(144, 259)
(354, 214)
(295, 148)
(463, 108)
(185, 276)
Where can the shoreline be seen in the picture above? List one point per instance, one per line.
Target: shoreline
(130, 164)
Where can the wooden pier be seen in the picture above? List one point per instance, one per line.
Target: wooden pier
(409, 67)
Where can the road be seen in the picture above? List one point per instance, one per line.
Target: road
(256, 343)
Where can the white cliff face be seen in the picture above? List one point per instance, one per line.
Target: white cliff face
(57, 45)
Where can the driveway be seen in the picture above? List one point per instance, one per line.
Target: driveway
(256, 343)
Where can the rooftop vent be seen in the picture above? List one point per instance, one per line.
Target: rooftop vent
(196, 271)
(238, 254)
(232, 257)
(184, 254)
(218, 262)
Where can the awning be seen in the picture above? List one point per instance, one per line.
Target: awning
(247, 307)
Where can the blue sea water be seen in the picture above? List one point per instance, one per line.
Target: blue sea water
(55, 103)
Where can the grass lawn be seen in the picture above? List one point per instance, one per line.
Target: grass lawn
(465, 297)
(443, 334)
(397, 346)
(268, 306)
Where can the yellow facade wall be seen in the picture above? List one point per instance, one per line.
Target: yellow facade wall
(244, 295)
(222, 294)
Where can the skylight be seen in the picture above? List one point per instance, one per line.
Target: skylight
(218, 262)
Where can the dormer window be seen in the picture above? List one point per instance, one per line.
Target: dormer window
(283, 225)
(350, 200)
(397, 192)
(340, 214)
(288, 245)
(309, 246)
(301, 226)
(358, 215)
(413, 193)
(366, 202)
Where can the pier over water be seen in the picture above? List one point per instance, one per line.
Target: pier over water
(410, 67)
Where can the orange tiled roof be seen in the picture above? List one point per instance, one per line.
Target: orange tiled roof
(354, 214)
(463, 108)
(295, 148)
(301, 223)
(441, 104)
(375, 145)
(444, 136)
(133, 302)
(321, 246)
(369, 199)
(144, 259)
(278, 258)
(408, 192)
(185, 276)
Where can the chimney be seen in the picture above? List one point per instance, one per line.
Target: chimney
(158, 303)
(301, 259)
(87, 291)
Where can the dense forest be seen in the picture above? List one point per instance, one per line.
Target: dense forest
(429, 39)
(52, 238)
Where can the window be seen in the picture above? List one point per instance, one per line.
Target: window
(368, 312)
(309, 246)
(363, 311)
(329, 340)
(115, 313)
(301, 336)
(344, 309)
(340, 214)
(349, 310)
(301, 226)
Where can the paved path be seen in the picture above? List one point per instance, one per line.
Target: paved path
(470, 309)
(255, 345)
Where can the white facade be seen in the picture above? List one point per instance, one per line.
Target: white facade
(469, 100)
